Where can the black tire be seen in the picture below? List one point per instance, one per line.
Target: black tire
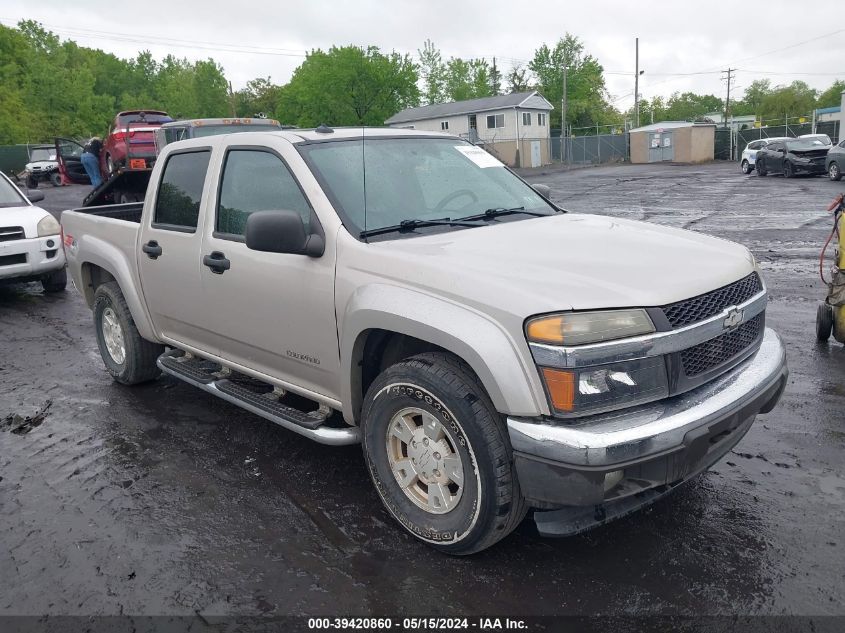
(824, 322)
(788, 172)
(111, 167)
(31, 182)
(491, 504)
(139, 364)
(55, 282)
(760, 167)
(746, 167)
(833, 171)
(56, 179)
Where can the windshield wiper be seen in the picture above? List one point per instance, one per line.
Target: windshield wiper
(415, 223)
(497, 211)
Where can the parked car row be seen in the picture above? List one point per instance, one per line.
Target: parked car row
(810, 154)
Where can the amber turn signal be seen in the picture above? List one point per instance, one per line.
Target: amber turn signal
(561, 386)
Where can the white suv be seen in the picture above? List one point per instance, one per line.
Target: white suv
(749, 154)
(30, 240)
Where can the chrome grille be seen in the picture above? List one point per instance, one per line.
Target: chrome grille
(709, 304)
(717, 351)
(8, 233)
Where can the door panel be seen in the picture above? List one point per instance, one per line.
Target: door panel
(69, 156)
(272, 312)
(169, 255)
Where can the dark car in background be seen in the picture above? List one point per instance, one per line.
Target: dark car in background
(792, 157)
(835, 161)
(131, 140)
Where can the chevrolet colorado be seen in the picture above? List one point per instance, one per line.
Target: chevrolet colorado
(491, 352)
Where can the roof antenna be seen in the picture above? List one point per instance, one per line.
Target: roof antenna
(324, 129)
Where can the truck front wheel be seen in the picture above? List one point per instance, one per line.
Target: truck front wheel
(439, 454)
(129, 358)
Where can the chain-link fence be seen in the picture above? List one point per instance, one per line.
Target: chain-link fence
(592, 149)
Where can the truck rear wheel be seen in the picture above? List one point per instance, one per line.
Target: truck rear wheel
(129, 358)
(439, 454)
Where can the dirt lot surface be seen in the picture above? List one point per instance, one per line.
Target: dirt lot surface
(162, 499)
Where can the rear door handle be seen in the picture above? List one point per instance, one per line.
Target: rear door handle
(152, 249)
(217, 262)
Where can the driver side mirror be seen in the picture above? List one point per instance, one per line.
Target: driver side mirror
(543, 190)
(281, 232)
(33, 195)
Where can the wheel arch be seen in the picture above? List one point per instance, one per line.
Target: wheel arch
(97, 270)
(384, 324)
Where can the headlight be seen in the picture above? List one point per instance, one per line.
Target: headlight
(580, 328)
(606, 387)
(49, 226)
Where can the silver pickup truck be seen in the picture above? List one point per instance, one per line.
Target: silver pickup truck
(405, 290)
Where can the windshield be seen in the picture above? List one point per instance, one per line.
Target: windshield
(416, 178)
(9, 197)
(42, 154)
(804, 144)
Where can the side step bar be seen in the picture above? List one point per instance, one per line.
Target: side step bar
(208, 376)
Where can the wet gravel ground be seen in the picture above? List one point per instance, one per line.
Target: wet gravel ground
(162, 499)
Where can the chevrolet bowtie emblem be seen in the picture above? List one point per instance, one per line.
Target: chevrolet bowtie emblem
(733, 319)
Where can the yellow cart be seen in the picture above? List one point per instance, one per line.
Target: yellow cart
(830, 317)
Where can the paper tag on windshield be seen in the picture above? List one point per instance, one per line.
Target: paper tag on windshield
(478, 156)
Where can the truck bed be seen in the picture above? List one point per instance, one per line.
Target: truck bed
(107, 233)
(130, 212)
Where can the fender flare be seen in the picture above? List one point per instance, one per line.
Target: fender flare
(505, 370)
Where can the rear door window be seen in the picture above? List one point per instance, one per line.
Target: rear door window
(180, 191)
(255, 180)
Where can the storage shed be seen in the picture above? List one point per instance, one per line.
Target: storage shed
(673, 141)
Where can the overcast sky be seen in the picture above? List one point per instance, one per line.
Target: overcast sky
(254, 39)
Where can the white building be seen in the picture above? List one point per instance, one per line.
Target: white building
(514, 127)
(737, 122)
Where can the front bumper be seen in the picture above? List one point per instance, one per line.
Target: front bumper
(29, 258)
(812, 168)
(623, 459)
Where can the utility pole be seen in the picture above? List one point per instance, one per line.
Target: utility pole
(563, 147)
(637, 80)
(232, 101)
(729, 77)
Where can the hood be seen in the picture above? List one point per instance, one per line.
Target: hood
(25, 216)
(42, 164)
(563, 262)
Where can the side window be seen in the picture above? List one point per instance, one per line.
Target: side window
(755, 145)
(842, 144)
(256, 181)
(774, 147)
(526, 118)
(180, 191)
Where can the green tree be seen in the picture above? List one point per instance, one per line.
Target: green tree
(587, 103)
(259, 96)
(796, 99)
(689, 106)
(832, 96)
(433, 72)
(752, 100)
(518, 79)
(349, 85)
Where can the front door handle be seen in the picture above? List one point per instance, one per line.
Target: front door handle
(217, 262)
(152, 249)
